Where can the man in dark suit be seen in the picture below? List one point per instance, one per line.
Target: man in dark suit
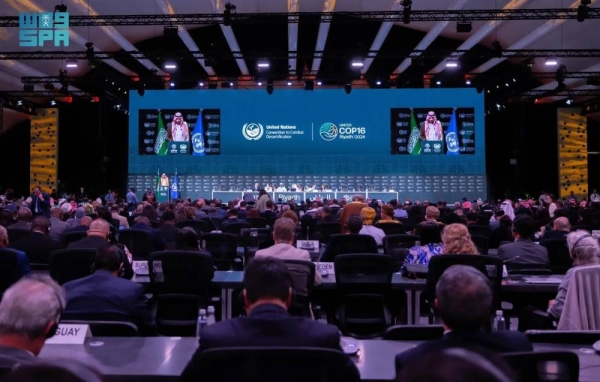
(267, 295)
(57, 225)
(104, 295)
(23, 219)
(464, 303)
(38, 245)
(23, 267)
(28, 311)
(523, 250)
(560, 229)
(40, 202)
(143, 223)
(168, 231)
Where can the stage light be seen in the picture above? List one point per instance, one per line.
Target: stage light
(231, 84)
(569, 101)
(289, 83)
(52, 102)
(20, 102)
(270, 87)
(172, 84)
(451, 63)
(201, 84)
(464, 27)
(551, 61)
(468, 82)
(438, 83)
(356, 63)
(259, 83)
(319, 83)
(71, 64)
(506, 84)
(348, 88)
(170, 65)
(378, 83)
(263, 64)
(407, 4)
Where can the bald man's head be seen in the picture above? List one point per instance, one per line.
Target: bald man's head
(86, 220)
(562, 224)
(99, 227)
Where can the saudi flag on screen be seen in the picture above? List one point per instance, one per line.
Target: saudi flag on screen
(160, 144)
(414, 141)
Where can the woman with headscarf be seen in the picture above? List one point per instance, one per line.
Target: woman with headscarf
(368, 216)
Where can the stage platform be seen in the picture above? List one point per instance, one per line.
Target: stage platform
(450, 188)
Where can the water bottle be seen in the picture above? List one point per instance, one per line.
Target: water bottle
(201, 323)
(499, 322)
(211, 316)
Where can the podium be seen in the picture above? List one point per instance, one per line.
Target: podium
(162, 194)
(432, 147)
(179, 148)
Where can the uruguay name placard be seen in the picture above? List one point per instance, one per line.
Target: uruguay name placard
(70, 334)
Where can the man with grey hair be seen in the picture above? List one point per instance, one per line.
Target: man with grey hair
(29, 313)
(284, 234)
(464, 303)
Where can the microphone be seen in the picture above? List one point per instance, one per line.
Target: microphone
(510, 260)
(214, 225)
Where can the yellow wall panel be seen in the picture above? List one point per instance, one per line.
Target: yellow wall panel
(572, 153)
(43, 147)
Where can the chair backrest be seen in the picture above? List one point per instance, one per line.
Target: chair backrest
(222, 247)
(257, 222)
(574, 337)
(558, 255)
(303, 275)
(234, 228)
(71, 264)
(414, 333)
(343, 244)
(364, 272)
(582, 303)
(544, 366)
(489, 266)
(199, 226)
(108, 328)
(15, 234)
(274, 363)
(482, 243)
(326, 229)
(70, 237)
(183, 272)
(479, 230)
(138, 241)
(404, 238)
(213, 223)
(396, 249)
(391, 228)
(8, 269)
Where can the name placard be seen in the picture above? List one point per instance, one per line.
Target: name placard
(70, 334)
(309, 245)
(143, 264)
(325, 267)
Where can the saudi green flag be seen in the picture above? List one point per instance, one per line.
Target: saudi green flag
(414, 141)
(160, 144)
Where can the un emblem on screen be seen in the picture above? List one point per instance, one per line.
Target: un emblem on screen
(452, 142)
(252, 131)
(328, 131)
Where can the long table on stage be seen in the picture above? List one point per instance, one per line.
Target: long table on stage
(228, 281)
(164, 358)
(298, 196)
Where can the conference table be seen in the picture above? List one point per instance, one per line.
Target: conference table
(164, 358)
(228, 281)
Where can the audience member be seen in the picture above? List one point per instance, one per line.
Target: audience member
(168, 232)
(38, 245)
(29, 314)
(523, 249)
(84, 225)
(23, 267)
(387, 215)
(115, 211)
(585, 251)
(430, 245)
(352, 208)
(267, 296)
(23, 219)
(63, 370)
(291, 215)
(464, 303)
(143, 223)
(368, 216)
(502, 232)
(104, 295)
(457, 240)
(284, 232)
(57, 225)
(560, 228)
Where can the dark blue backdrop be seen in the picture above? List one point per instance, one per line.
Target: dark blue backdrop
(364, 150)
